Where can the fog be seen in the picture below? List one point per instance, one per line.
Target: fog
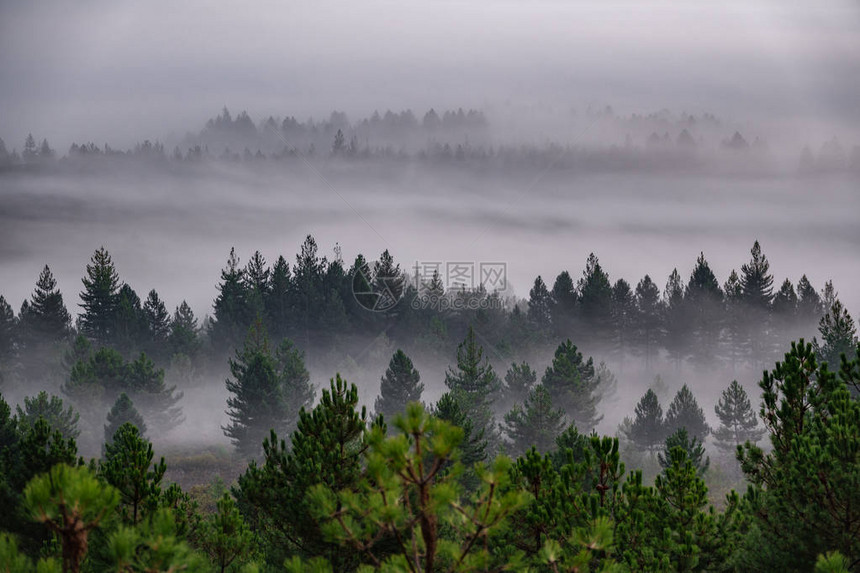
(564, 164)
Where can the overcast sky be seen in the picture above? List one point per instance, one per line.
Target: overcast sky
(110, 71)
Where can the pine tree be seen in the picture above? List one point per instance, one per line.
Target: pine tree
(388, 283)
(226, 538)
(703, 301)
(623, 312)
(130, 328)
(46, 319)
(535, 422)
(183, 331)
(127, 465)
(294, 381)
(563, 305)
(8, 325)
(676, 323)
(809, 305)
(572, 383)
(756, 282)
(838, 336)
(540, 309)
(70, 502)
(100, 298)
(804, 493)
(685, 412)
(232, 317)
(475, 382)
(309, 294)
(648, 429)
(595, 300)
(327, 448)
(735, 334)
(123, 412)
(158, 326)
(785, 308)
(474, 445)
(256, 278)
(647, 323)
(51, 410)
(279, 300)
(401, 384)
(738, 421)
(693, 449)
(519, 381)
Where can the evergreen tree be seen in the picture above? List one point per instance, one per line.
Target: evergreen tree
(257, 403)
(70, 502)
(474, 445)
(183, 336)
(8, 325)
(519, 381)
(158, 325)
(123, 412)
(475, 382)
(294, 381)
(388, 282)
(256, 278)
(693, 449)
(279, 300)
(785, 308)
(29, 154)
(534, 423)
(130, 322)
(838, 336)
(563, 305)
(756, 282)
(623, 313)
(809, 305)
(327, 448)
(540, 313)
(226, 538)
(647, 323)
(648, 429)
(703, 300)
(738, 421)
(100, 298)
(51, 410)
(309, 294)
(46, 319)
(676, 323)
(572, 383)
(128, 467)
(595, 300)
(735, 334)
(401, 384)
(685, 412)
(232, 317)
(804, 491)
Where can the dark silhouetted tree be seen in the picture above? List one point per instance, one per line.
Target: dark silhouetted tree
(572, 383)
(738, 421)
(535, 422)
(648, 429)
(123, 412)
(685, 412)
(100, 298)
(401, 384)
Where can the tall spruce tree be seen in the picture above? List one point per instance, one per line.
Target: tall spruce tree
(183, 336)
(623, 313)
(256, 277)
(809, 305)
(735, 332)
(757, 295)
(572, 383)
(685, 412)
(8, 324)
(100, 298)
(279, 300)
(130, 322)
(535, 422)
(401, 384)
(738, 421)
